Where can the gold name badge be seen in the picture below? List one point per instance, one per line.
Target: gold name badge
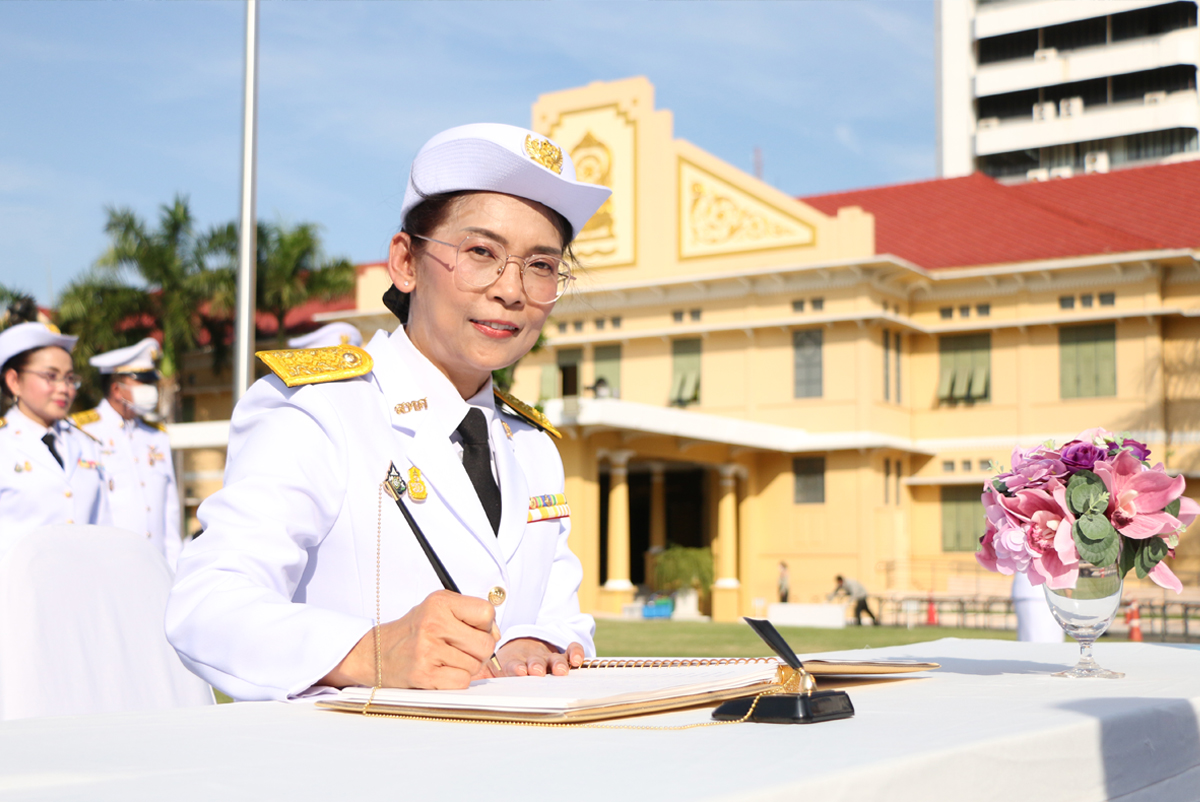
(416, 485)
(404, 407)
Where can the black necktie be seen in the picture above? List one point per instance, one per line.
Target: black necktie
(477, 460)
(48, 439)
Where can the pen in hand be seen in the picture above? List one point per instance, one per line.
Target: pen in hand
(394, 485)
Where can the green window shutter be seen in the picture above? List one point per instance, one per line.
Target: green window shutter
(962, 518)
(887, 377)
(549, 387)
(1086, 362)
(946, 379)
(1068, 363)
(806, 363)
(1106, 360)
(685, 371)
(949, 522)
(608, 366)
(979, 382)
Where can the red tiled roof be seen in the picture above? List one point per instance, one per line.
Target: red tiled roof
(953, 222)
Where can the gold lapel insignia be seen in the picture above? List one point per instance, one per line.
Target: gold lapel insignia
(405, 407)
(18, 468)
(416, 485)
(545, 153)
(527, 412)
(507, 430)
(394, 484)
(317, 365)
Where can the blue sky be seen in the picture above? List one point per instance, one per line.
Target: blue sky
(128, 104)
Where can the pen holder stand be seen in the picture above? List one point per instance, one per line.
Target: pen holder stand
(801, 703)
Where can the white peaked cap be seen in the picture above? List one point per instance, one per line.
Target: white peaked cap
(137, 358)
(24, 336)
(491, 157)
(332, 334)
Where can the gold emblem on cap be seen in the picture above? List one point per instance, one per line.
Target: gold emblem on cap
(544, 152)
(404, 407)
(497, 596)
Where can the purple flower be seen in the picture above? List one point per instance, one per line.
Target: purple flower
(1139, 450)
(1080, 456)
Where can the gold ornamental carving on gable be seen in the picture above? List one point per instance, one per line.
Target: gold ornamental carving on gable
(717, 217)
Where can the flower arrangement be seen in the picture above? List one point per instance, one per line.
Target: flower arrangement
(1094, 499)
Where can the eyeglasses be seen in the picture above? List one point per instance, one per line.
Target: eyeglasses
(480, 262)
(69, 380)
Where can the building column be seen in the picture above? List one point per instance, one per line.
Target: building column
(658, 520)
(618, 590)
(726, 590)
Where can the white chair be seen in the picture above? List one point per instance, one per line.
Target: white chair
(81, 626)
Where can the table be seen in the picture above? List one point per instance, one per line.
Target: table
(990, 725)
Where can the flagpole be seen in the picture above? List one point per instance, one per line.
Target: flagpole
(244, 323)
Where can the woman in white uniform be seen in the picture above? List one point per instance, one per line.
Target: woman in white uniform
(50, 471)
(303, 553)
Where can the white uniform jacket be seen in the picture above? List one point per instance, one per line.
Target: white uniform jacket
(281, 584)
(137, 461)
(36, 491)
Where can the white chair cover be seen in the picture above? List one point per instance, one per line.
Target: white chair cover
(1035, 622)
(81, 626)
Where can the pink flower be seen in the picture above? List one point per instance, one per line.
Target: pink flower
(1047, 530)
(1163, 577)
(1137, 496)
(1033, 468)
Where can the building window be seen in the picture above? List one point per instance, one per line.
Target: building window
(694, 314)
(798, 306)
(896, 351)
(946, 312)
(887, 365)
(887, 480)
(966, 368)
(607, 360)
(562, 328)
(677, 316)
(964, 311)
(948, 466)
(616, 321)
(806, 359)
(1087, 358)
(962, 518)
(899, 468)
(578, 325)
(550, 382)
(569, 360)
(599, 324)
(985, 465)
(818, 304)
(1086, 300)
(1066, 302)
(809, 475)
(1108, 299)
(685, 372)
(966, 466)
(983, 310)
(188, 411)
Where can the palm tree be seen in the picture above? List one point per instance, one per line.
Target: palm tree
(293, 271)
(147, 280)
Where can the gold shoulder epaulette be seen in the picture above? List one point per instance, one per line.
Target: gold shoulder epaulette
(3, 423)
(162, 427)
(85, 417)
(318, 365)
(84, 431)
(527, 412)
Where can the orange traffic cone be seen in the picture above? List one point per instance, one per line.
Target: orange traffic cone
(931, 617)
(1133, 618)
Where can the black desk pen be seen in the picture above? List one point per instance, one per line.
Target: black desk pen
(394, 484)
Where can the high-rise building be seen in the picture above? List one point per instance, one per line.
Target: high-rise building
(1040, 89)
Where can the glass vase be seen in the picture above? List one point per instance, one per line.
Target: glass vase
(1085, 613)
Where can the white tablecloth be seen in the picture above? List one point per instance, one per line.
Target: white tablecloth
(990, 725)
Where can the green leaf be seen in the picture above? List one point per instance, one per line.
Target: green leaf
(1129, 553)
(1001, 487)
(1098, 551)
(1152, 552)
(1172, 509)
(1085, 491)
(1096, 527)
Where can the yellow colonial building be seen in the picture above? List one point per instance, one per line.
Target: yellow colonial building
(828, 381)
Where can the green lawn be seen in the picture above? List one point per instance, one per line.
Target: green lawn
(703, 639)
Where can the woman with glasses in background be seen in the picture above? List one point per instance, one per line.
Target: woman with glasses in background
(50, 471)
(307, 577)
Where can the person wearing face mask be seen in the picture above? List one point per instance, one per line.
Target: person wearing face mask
(136, 451)
(51, 472)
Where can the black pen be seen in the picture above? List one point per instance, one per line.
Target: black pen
(394, 485)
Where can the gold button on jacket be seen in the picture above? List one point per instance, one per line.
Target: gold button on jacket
(496, 596)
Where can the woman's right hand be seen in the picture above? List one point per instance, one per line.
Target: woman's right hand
(442, 643)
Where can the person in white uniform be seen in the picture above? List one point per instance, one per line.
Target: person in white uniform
(50, 471)
(337, 333)
(136, 452)
(306, 564)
